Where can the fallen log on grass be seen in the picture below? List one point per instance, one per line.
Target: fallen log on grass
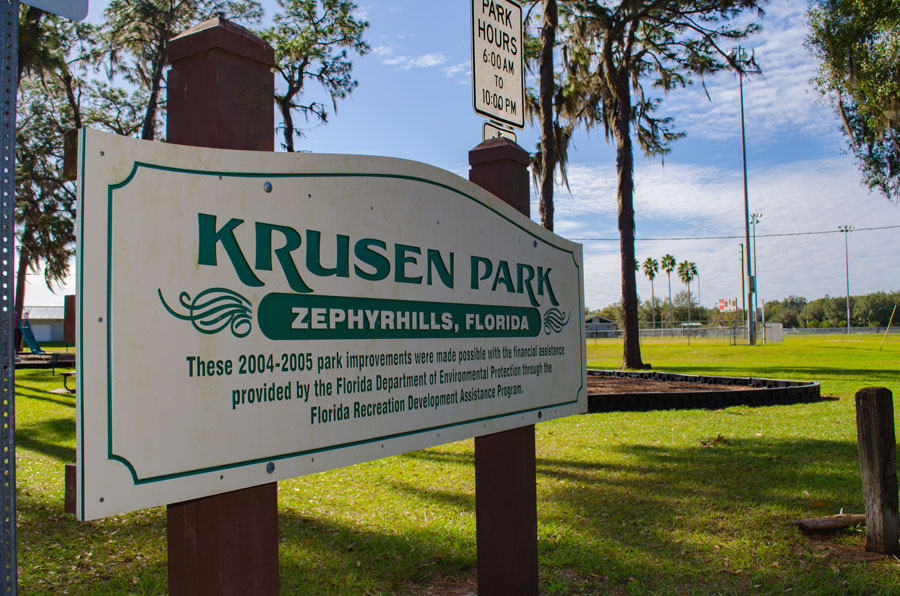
(830, 523)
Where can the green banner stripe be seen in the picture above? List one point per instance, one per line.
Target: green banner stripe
(304, 316)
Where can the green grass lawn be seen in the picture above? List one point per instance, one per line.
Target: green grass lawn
(628, 503)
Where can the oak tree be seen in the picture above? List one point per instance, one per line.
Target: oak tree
(858, 43)
(313, 40)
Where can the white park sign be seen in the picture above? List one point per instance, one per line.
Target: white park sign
(498, 83)
(246, 317)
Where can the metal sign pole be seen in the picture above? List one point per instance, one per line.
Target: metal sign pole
(9, 28)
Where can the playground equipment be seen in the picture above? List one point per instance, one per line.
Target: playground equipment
(28, 336)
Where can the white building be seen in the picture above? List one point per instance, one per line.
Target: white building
(46, 322)
(597, 326)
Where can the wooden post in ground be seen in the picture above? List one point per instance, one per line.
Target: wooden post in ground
(220, 94)
(878, 467)
(505, 481)
(69, 314)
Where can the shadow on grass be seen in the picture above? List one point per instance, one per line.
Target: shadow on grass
(439, 496)
(654, 523)
(60, 399)
(317, 556)
(663, 516)
(49, 437)
(117, 555)
(558, 468)
(659, 520)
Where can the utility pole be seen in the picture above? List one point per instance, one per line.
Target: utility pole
(845, 230)
(743, 295)
(754, 218)
(741, 59)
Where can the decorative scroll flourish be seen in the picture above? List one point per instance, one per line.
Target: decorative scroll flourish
(554, 320)
(215, 309)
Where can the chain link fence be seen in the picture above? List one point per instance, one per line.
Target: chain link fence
(688, 332)
(839, 330)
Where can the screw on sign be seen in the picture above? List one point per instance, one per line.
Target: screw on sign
(498, 91)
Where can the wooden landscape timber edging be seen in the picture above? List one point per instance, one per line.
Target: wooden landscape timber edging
(758, 392)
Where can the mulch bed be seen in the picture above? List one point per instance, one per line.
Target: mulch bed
(643, 391)
(598, 385)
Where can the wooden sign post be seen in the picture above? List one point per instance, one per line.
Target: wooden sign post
(505, 481)
(417, 303)
(878, 467)
(220, 94)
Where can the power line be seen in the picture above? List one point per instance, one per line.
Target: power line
(734, 237)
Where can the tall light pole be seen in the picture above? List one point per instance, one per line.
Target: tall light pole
(743, 280)
(845, 230)
(754, 219)
(742, 59)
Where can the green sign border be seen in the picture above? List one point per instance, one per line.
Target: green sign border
(149, 480)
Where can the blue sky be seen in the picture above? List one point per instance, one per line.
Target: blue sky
(414, 101)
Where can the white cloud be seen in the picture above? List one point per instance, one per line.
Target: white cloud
(781, 100)
(698, 202)
(388, 57)
(427, 60)
(463, 68)
(395, 60)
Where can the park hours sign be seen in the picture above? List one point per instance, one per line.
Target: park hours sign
(76, 10)
(498, 90)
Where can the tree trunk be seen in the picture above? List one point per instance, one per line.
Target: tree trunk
(148, 132)
(669, 276)
(21, 278)
(32, 18)
(73, 101)
(652, 305)
(625, 195)
(689, 303)
(32, 15)
(284, 104)
(548, 136)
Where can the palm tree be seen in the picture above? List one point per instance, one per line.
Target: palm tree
(44, 208)
(558, 106)
(668, 265)
(651, 268)
(626, 47)
(549, 139)
(687, 271)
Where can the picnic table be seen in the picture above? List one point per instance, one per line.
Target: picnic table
(65, 375)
